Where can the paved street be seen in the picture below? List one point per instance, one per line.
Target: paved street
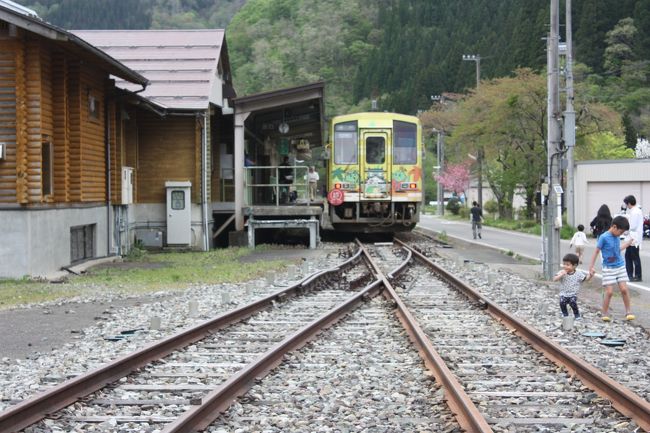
(525, 245)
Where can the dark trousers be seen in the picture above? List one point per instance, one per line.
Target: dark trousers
(571, 301)
(633, 262)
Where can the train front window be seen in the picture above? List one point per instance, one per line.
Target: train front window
(375, 150)
(345, 143)
(405, 143)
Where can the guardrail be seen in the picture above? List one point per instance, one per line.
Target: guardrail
(265, 185)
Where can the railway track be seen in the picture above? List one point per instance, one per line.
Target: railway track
(507, 370)
(492, 373)
(360, 375)
(177, 381)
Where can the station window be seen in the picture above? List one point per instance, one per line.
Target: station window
(46, 166)
(82, 242)
(405, 143)
(345, 143)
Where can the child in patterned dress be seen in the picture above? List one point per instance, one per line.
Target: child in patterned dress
(570, 279)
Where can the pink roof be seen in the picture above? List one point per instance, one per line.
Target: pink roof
(180, 64)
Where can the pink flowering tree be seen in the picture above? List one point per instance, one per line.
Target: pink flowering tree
(455, 177)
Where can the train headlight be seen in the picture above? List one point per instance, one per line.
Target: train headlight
(407, 186)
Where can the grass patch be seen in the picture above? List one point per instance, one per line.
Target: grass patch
(142, 273)
(25, 291)
(524, 226)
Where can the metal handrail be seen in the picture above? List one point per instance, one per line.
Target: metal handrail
(276, 187)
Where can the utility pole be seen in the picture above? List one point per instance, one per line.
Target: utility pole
(440, 152)
(569, 120)
(479, 154)
(441, 162)
(553, 187)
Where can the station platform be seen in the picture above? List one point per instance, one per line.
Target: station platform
(286, 216)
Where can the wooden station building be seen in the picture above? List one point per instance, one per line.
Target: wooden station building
(57, 115)
(108, 138)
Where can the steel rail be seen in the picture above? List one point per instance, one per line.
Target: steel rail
(200, 417)
(465, 411)
(622, 398)
(36, 408)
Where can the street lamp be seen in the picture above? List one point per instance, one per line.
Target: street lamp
(477, 58)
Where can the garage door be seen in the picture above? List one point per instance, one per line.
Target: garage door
(612, 194)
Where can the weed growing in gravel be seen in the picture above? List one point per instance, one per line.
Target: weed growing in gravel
(27, 291)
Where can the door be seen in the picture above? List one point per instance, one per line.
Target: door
(375, 164)
(179, 213)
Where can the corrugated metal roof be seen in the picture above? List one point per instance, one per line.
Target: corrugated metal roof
(180, 65)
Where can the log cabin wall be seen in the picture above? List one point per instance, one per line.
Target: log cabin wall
(8, 118)
(52, 121)
(167, 150)
(61, 118)
(93, 148)
(116, 152)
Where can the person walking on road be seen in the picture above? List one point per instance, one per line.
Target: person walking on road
(570, 279)
(613, 264)
(600, 224)
(632, 257)
(579, 240)
(477, 217)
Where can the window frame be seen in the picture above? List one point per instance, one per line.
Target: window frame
(343, 130)
(47, 167)
(413, 155)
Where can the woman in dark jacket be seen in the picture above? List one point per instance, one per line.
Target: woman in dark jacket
(601, 223)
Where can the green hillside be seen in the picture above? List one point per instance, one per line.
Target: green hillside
(397, 51)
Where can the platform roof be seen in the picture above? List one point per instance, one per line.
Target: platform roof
(300, 107)
(181, 65)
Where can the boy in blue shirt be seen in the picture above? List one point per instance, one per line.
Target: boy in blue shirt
(614, 271)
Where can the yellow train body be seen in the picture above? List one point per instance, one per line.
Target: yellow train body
(375, 180)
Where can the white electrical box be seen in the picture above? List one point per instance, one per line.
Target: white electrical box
(127, 185)
(179, 213)
(3, 150)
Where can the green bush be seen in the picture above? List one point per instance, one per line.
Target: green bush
(491, 206)
(453, 205)
(526, 224)
(464, 212)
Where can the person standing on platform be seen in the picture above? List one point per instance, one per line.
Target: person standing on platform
(312, 180)
(285, 176)
(613, 265)
(579, 240)
(632, 257)
(477, 217)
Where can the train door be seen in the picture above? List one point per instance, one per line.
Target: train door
(375, 164)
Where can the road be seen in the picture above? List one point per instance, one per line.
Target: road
(528, 246)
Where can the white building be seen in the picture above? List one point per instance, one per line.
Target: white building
(608, 182)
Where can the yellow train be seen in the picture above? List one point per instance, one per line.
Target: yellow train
(375, 178)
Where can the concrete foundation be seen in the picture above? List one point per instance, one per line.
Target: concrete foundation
(37, 242)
